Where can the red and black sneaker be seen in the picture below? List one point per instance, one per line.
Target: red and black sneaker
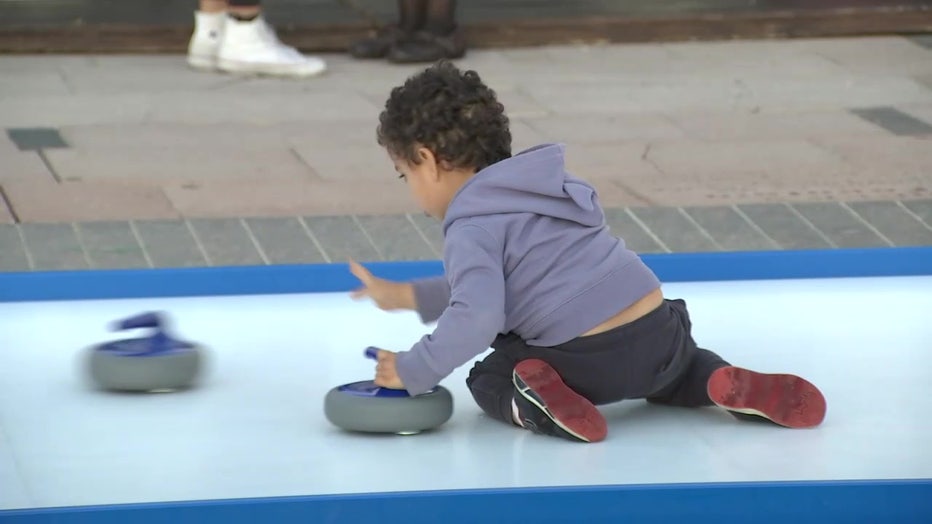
(547, 406)
(786, 400)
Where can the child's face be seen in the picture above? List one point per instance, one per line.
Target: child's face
(425, 182)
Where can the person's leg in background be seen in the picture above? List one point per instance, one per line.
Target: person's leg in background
(410, 20)
(233, 36)
(439, 38)
(426, 31)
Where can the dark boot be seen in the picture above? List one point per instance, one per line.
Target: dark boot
(411, 18)
(424, 46)
(379, 43)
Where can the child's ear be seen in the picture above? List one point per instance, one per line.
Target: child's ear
(429, 163)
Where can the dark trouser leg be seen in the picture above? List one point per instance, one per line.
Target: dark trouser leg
(490, 383)
(690, 389)
(631, 361)
(441, 16)
(244, 10)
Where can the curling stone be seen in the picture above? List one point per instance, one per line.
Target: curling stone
(364, 407)
(155, 363)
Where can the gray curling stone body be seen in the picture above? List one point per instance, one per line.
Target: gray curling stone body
(157, 363)
(365, 407)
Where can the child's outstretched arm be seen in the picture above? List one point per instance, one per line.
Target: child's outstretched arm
(475, 314)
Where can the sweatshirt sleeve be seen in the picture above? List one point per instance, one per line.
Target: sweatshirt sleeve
(474, 317)
(432, 296)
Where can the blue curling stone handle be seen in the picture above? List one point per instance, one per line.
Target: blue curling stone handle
(367, 388)
(159, 342)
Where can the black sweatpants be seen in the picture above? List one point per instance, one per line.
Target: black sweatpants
(653, 358)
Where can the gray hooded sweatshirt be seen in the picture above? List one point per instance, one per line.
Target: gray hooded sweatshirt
(526, 251)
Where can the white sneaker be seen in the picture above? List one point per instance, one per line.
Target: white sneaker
(205, 42)
(253, 47)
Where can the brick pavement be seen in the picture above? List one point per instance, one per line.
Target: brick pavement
(136, 161)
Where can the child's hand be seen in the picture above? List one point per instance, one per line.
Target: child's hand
(385, 373)
(386, 294)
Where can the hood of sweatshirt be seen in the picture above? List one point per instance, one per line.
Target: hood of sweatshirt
(532, 181)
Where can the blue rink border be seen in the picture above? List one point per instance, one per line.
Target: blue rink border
(882, 501)
(324, 278)
(901, 501)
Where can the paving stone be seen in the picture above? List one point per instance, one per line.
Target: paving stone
(636, 238)
(922, 209)
(153, 165)
(840, 225)
(338, 161)
(615, 170)
(595, 129)
(111, 245)
(253, 198)
(396, 238)
(742, 59)
(920, 111)
(724, 126)
(62, 110)
(793, 159)
(226, 242)
(633, 96)
(6, 214)
(175, 136)
(676, 231)
(759, 171)
(883, 167)
(31, 82)
(285, 241)
(880, 56)
(341, 239)
(54, 247)
(894, 223)
(46, 201)
(894, 120)
(21, 165)
(784, 226)
(169, 243)
(924, 41)
(432, 229)
(729, 229)
(211, 107)
(12, 252)
(154, 74)
(832, 92)
(33, 138)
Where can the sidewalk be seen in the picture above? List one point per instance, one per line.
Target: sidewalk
(137, 161)
(93, 26)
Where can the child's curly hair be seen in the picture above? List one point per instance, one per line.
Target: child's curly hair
(450, 112)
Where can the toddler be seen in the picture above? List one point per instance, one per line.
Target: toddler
(575, 318)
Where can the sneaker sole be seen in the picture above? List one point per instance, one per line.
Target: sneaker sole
(233, 67)
(202, 63)
(786, 400)
(543, 387)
